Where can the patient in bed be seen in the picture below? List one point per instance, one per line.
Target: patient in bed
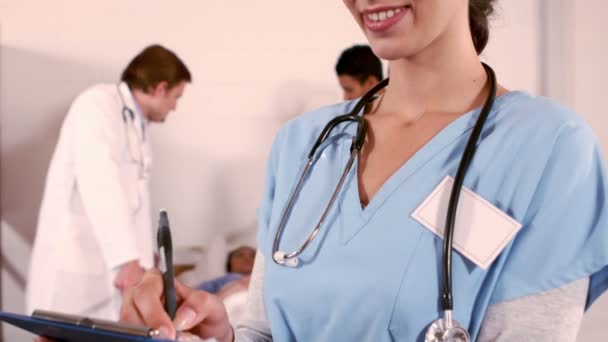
(238, 270)
(232, 287)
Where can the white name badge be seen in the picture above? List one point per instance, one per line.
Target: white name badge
(481, 230)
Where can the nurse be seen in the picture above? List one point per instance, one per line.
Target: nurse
(94, 237)
(530, 252)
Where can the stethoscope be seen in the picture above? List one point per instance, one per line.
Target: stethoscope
(443, 329)
(135, 153)
(134, 148)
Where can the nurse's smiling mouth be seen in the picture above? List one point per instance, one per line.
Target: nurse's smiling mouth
(383, 18)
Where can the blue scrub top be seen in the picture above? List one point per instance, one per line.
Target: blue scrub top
(374, 274)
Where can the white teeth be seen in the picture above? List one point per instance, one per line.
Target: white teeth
(383, 15)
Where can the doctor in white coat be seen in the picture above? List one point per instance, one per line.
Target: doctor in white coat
(95, 234)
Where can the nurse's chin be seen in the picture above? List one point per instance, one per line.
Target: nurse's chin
(392, 48)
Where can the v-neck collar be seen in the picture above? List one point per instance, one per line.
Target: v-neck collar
(353, 216)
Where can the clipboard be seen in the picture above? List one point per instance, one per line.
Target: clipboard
(70, 328)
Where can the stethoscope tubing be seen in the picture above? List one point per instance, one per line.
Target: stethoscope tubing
(449, 326)
(465, 161)
(128, 117)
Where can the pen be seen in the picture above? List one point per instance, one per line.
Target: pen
(165, 251)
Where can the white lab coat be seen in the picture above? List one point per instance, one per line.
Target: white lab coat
(95, 213)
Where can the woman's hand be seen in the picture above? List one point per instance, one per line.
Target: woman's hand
(199, 313)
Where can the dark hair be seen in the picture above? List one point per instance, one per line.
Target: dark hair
(153, 65)
(229, 261)
(231, 254)
(360, 63)
(479, 11)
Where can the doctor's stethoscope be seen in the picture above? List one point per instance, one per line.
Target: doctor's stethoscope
(442, 329)
(135, 154)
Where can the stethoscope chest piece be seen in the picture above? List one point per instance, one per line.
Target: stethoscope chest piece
(446, 330)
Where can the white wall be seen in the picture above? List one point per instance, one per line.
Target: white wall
(255, 64)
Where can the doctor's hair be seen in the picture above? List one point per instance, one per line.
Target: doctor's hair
(359, 62)
(153, 65)
(479, 11)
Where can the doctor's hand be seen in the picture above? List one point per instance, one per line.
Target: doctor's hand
(129, 275)
(199, 313)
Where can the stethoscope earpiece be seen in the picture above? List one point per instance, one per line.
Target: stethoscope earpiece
(279, 258)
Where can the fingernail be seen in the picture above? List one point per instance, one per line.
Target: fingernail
(164, 332)
(184, 319)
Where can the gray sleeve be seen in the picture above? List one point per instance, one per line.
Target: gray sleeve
(553, 315)
(255, 326)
